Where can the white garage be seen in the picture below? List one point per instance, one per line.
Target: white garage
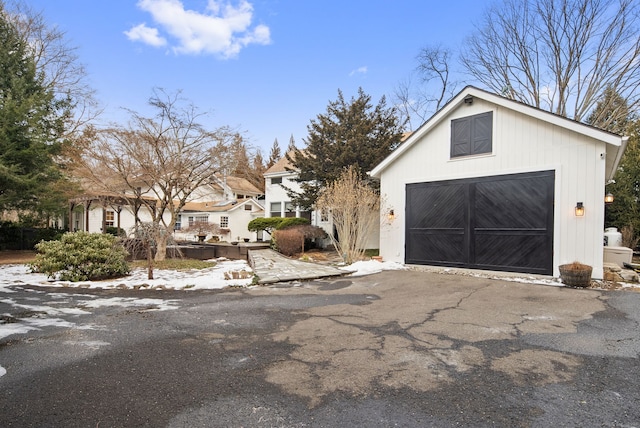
(490, 183)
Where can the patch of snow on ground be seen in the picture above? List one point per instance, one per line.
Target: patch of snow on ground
(14, 328)
(196, 279)
(369, 267)
(149, 304)
(3, 371)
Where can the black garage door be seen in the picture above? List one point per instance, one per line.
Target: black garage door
(495, 223)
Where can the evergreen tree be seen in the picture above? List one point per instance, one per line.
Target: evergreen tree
(350, 134)
(625, 209)
(31, 124)
(240, 163)
(292, 144)
(257, 171)
(274, 154)
(612, 114)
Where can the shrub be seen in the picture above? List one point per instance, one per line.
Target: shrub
(15, 236)
(291, 221)
(81, 256)
(270, 224)
(116, 231)
(288, 241)
(267, 224)
(296, 239)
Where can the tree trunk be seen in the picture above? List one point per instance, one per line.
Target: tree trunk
(161, 247)
(149, 261)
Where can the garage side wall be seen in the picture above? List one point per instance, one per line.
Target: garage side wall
(521, 144)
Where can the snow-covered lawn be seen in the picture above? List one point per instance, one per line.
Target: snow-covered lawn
(219, 276)
(195, 279)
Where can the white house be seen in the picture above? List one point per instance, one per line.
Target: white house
(490, 183)
(232, 217)
(280, 177)
(230, 202)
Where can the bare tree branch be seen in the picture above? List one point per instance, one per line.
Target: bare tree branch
(56, 61)
(558, 55)
(431, 86)
(153, 162)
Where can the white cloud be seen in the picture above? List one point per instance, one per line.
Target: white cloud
(146, 35)
(222, 29)
(360, 70)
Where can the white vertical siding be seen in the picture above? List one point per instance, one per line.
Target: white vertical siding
(520, 144)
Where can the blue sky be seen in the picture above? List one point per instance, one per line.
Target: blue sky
(267, 67)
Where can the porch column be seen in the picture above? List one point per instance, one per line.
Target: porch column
(72, 205)
(87, 205)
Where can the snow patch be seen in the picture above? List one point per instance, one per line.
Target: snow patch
(369, 267)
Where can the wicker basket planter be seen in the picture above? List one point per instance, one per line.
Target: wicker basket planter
(575, 274)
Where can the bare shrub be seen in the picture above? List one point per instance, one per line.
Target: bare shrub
(355, 211)
(295, 239)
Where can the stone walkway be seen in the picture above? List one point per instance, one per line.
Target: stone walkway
(271, 267)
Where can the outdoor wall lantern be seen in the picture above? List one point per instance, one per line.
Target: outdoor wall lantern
(391, 215)
(579, 209)
(608, 198)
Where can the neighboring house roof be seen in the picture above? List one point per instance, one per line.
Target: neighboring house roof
(615, 143)
(238, 185)
(282, 166)
(223, 206)
(109, 197)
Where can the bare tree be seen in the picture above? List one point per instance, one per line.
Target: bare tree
(429, 87)
(354, 208)
(558, 55)
(154, 162)
(56, 61)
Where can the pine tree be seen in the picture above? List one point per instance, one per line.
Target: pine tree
(274, 154)
(257, 171)
(611, 113)
(31, 125)
(350, 134)
(292, 144)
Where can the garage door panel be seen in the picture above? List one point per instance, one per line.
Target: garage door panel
(500, 223)
(436, 248)
(437, 207)
(514, 204)
(525, 252)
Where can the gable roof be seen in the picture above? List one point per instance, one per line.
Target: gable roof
(282, 164)
(615, 143)
(238, 185)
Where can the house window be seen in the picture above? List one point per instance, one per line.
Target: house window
(275, 209)
(224, 221)
(276, 180)
(472, 135)
(240, 196)
(248, 207)
(110, 217)
(289, 210)
(324, 215)
(198, 219)
(178, 225)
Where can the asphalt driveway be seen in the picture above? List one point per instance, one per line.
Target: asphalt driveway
(399, 348)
